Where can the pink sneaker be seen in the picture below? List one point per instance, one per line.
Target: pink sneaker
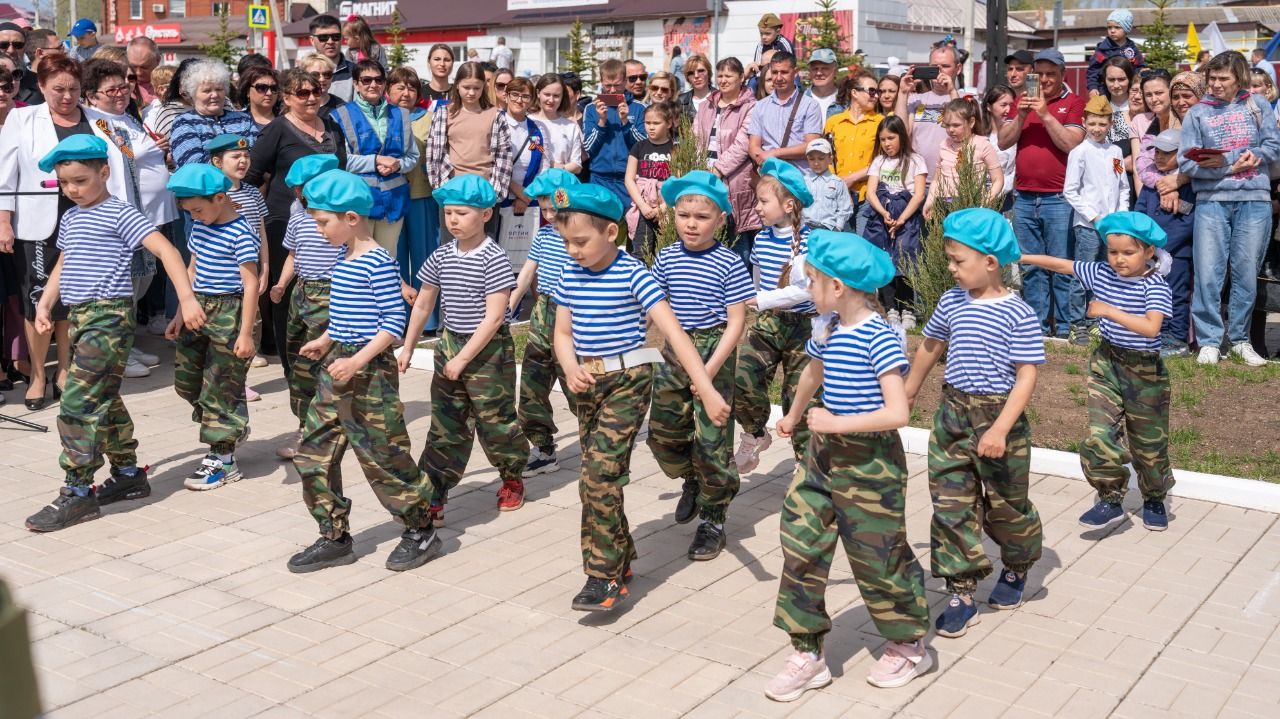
(801, 673)
(747, 458)
(250, 395)
(899, 664)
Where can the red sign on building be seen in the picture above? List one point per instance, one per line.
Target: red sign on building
(170, 34)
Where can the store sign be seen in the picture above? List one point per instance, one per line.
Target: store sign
(612, 40)
(375, 8)
(161, 34)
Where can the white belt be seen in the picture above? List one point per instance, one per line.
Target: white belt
(615, 363)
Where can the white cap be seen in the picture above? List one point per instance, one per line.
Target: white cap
(818, 145)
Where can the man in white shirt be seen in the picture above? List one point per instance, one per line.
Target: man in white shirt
(502, 57)
(822, 81)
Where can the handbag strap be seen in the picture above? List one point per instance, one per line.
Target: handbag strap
(791, 120)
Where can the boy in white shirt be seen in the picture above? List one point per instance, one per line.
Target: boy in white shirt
(1096, 185)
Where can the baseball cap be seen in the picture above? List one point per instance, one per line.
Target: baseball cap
(83, 25)
(1023, 56)
(818, 145)
(1051, 55)
(823, 55)
(769, 20)
(1169, 140)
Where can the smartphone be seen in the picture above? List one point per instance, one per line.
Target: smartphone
(612, 100)
(925, 72)
(1033, 84)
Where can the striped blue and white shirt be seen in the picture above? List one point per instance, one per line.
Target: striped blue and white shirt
(97, 245)
(466, 280)
(549, 252)
(250, 205)
(853, 359)
(986, 340)
(1135, 295)
(771, 252)
(608, 306)
(219, 251)
(700, 285)
(364, 298)
(313, 255)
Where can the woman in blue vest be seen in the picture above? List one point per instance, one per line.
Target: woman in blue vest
(381, 149)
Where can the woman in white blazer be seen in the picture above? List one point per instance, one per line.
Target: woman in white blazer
(29, 222)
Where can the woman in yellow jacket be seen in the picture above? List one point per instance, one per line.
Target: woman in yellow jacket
(853, 137)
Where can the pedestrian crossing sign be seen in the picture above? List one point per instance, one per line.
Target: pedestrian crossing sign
(259, 17)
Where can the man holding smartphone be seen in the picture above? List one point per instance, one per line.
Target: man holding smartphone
(922, 111)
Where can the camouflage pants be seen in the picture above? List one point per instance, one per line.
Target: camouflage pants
(1129, 396)
(972, 493)
(851, 487)
(609, 417)
(365, 412)
(92, 419)
(776, 338)
(480, 401)
(538, 372)
(209, 376)
(308, 319)
(683, 438)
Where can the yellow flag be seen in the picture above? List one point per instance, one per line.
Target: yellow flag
(1193, 43)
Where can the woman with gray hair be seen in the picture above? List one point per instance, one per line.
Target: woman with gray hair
(205, 85)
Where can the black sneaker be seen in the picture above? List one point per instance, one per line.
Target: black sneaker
(416, 548)
(124, 486)
(322, 554)
(542, 460)
(600, 595)
(708, 542)
(687, 507)
(67, 508)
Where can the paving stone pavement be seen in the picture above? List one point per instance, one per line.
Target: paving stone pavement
(181, 606)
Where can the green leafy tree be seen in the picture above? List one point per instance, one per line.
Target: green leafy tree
(1161, 48)
(222, 43)
(398, 54)
(686, 155)
(578, 59)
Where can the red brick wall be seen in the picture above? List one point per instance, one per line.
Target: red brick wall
(195, 8)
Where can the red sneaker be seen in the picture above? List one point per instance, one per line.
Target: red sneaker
(511, 495)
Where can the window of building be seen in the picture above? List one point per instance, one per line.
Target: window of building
(177, 8)
(135, 9)
(554, 51)
(222, 8)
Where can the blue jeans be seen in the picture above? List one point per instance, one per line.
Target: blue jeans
(1042, 223)
(1086, 246)
(1231, 234)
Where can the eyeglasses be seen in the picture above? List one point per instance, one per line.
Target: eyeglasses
(264, 88)
(519, 97)
(329, 37)
(696, 71)
(15, 44)
(119, 91)
(637, 78)
(307, 94)
(659, 88)
(373, 80)
(7, 88)
(872, 91)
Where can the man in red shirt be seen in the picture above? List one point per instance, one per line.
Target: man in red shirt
(1045, 128)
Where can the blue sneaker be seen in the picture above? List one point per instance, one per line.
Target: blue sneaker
(956, 619)
(1103, 514)
(1153, 515)
(1007, 593)
(212, 473)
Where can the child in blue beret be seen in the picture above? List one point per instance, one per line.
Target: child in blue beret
(311, 258)
(210, 364)
(601, 304)
(357, 398)
(473, 390)
(777, 337)
(708, 288)
(852, 481)
(1128, 382)
(538, 369)
(96, 241)
(980, 449)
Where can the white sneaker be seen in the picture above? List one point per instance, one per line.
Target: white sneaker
(1208, 355)
(908, 320)
(258, 361)
(289, 450)
(134, 369)
(893, 317)
(747, 458)
(1245, 351)
(145, 358)
(157, 325)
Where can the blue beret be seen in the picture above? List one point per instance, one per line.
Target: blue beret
(196, 179)
(591, 199)
(1134, 224)
(226, 141)
(697, 182)
(76, 147)
(985, 231)
(467, 190)
(547, 182)
(305, 168)
(851, 259)
(339, 191)
(790, 177)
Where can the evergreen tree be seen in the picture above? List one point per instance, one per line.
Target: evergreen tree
(398, 54)
(827, 33)
(579, 60)
(1161, 49)
(221, 46)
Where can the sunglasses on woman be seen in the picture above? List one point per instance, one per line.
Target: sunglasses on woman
(306, 94)
(264, 88)
(6, 88)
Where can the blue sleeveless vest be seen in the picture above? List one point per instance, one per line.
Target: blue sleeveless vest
(390, 192)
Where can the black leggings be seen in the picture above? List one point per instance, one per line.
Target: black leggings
(898, 295)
